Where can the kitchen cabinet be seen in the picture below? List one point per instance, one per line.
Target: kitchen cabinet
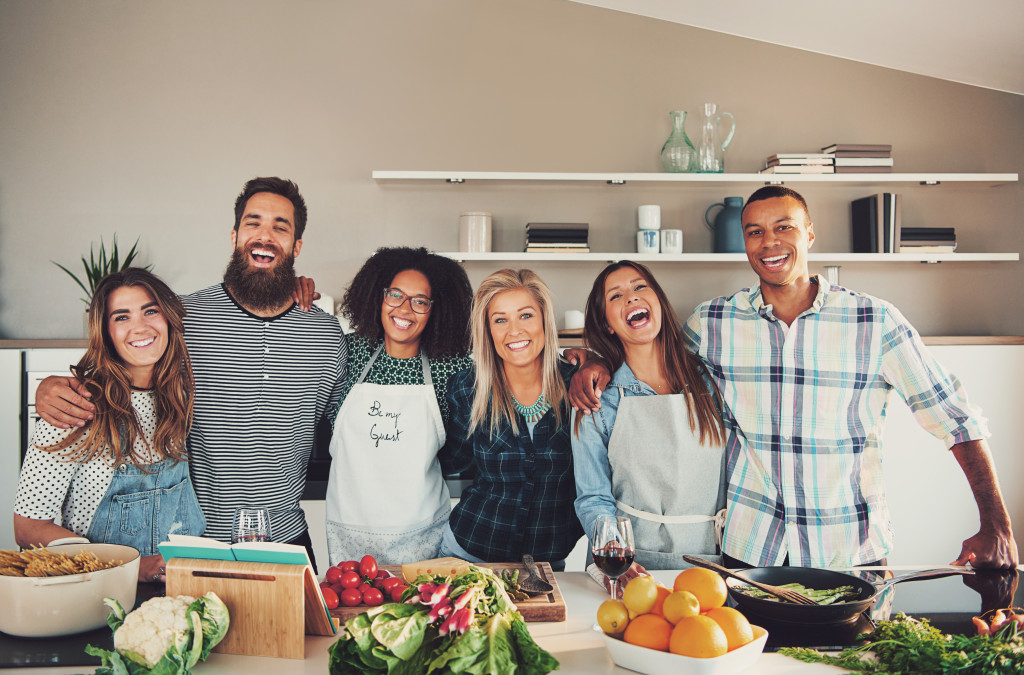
(747, 181)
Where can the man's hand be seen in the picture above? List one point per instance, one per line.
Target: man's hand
(993, 546)
(587, 385)
(63, 402)
(305, 293)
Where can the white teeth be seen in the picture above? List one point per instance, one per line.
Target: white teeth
(522, 344)
(264, 252)
(774, 259)
(143, 343)
(632, 314)
(401, 323)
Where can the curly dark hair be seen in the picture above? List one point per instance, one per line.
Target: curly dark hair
(447, 331)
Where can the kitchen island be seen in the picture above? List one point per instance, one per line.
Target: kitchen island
(580, 649)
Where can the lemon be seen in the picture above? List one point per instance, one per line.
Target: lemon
(611, 617)
(679, 605)
(640, 595)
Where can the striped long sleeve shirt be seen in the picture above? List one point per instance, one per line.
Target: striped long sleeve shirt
(805, 410)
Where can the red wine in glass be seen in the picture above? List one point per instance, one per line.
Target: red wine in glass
(612, 547)
(613, 561)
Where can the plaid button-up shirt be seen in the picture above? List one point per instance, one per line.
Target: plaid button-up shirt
(521, 500)
(805, 409)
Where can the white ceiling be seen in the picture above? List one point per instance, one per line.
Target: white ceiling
(979, 43)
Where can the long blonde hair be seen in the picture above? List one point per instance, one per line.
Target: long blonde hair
(115, 427)
(492, 403)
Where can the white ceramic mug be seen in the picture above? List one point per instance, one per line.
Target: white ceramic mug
(573, 319)
(671, 241)
(647, 241)
(475, 232)
(648, 217)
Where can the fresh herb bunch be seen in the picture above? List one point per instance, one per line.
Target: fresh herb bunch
(908, 645)
(465, 624)
(100, 265)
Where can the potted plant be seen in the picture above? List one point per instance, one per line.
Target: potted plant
(100, 265)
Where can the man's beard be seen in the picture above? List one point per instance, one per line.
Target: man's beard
(261, 289)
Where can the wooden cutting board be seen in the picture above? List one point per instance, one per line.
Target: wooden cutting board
(547, 607)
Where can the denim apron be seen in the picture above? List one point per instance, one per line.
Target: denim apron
(140, 509)
(670, 485)
(386, 495)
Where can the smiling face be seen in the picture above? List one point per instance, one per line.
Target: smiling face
(138, 330)
(517, 327)
(402, 326)
(266, 233)
(777, 234)
(632, 309)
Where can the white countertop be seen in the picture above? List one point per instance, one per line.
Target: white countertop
(574, 642)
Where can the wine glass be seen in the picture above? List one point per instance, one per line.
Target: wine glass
(613, 547)
(250, 524)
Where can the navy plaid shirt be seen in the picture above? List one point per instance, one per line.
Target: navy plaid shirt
(521, 500)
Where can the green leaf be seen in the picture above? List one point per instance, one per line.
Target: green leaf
(402, 635)
(532, 659)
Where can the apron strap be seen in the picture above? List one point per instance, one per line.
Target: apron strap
(427, 379)
(718, 518)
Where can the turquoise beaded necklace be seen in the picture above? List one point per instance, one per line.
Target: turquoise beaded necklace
(534, 412)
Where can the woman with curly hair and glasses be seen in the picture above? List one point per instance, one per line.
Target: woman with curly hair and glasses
(123, 477)
(654, 451)
(510, 419)
(386, 495)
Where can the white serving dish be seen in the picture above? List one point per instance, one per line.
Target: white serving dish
(653, 662)
(73, 603)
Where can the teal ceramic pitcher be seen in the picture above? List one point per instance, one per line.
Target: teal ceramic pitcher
(728, 227)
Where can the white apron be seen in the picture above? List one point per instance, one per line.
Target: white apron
(386, 495)
(669, 484)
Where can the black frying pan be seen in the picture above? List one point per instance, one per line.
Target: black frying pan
(818, 579)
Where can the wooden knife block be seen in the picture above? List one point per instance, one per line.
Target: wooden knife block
(272, 606)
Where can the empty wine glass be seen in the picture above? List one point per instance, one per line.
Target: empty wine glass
(250, 524)
(613, 547)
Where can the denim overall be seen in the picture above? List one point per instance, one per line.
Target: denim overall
(140, 509)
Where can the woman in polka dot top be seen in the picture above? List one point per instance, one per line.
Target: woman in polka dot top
(123, 477)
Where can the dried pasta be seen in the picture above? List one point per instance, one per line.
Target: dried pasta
(42, 562)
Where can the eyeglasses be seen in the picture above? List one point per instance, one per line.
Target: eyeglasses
(394, 297)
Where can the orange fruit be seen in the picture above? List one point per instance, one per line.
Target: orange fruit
(640, 595)
(698, 637)
(735, 626)
(612, 617)
(662, 594)
(679, 605)
(651, 631)
(708, 586)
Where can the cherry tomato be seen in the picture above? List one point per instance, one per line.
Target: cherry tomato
(324, 584)
(333, 574)
(373, 597)
(383, 574)
(349, 580)
(363, 587)
(396, 592)
(350, 597)
(349, 566)
(378, 583)
(331, 598)
(368, 566)
(389, 584)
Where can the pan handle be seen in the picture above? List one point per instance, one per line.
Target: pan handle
(937, 573)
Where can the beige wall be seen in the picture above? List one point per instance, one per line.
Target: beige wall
(146, 118)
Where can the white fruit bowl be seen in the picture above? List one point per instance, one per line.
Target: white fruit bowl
(653, 662)
(73, 603)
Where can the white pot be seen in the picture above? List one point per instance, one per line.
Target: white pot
(50, 606)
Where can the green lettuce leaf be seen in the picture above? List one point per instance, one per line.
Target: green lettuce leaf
(532, 659)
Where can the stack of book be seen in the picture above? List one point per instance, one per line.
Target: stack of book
(860, 157)
(877, 223)
(928, 239)
(557, 238)
(798, 162)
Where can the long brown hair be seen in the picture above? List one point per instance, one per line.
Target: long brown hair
(492, 402)
(115, 427)
(685, 372)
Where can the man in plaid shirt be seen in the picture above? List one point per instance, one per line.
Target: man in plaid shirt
(805, 370)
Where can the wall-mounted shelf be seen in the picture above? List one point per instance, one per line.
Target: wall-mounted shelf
(509, 256)
(990, 179)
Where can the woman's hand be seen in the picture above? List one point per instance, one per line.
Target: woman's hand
(151, 569)
(635, 570)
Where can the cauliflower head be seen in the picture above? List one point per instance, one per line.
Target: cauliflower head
(156, 626)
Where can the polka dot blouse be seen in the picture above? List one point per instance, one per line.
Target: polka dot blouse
(52, 488)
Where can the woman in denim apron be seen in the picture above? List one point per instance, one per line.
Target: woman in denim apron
(122, 478)
(654, 451)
